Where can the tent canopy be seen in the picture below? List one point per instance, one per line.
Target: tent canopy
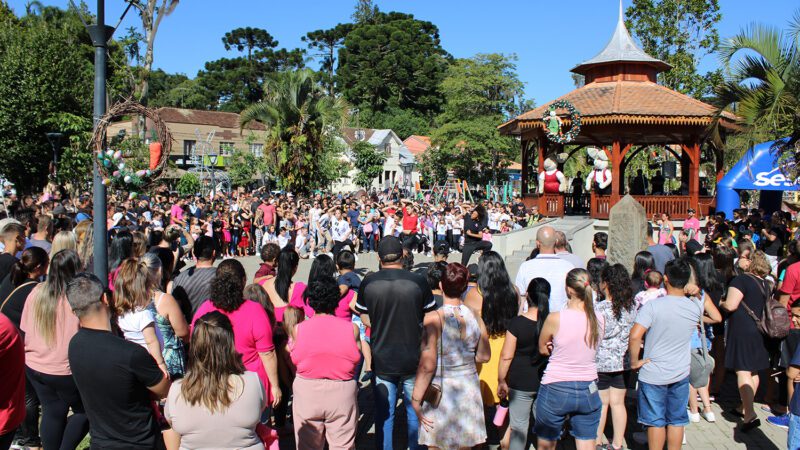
(758, 170)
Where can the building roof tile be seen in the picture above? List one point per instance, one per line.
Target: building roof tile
(200, 117)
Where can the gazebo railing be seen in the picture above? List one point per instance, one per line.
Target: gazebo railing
(551, 205)
(675, 205)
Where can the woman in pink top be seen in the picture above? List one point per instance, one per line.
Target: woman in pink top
(324, 267)
(251, 327)
(569, 385)
(49, 324)
(326, 353)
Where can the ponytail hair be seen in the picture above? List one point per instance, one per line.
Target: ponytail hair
(579, 281)
(32, 259)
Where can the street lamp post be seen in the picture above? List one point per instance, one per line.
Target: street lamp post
(55, 143)
(100, 34)
(213, 160)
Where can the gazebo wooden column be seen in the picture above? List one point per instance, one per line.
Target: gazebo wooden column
(526, 148)
(616, 170)
(692, 157)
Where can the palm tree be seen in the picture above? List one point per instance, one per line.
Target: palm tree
(300, 119)
(763, 87)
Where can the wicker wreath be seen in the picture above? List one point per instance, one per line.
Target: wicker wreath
(574, 117)
(112, 163)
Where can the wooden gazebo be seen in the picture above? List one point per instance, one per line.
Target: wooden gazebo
(624, 111)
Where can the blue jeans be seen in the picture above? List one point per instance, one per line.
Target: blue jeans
(577, 400)
(663, 405)
(369, 242)
(793, 441)
(385, 397)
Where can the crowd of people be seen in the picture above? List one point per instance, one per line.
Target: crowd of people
(171, 353)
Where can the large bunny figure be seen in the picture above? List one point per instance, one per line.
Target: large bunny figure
(599, 179)
(551, 180)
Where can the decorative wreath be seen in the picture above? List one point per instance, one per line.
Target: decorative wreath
(114, 166)
(574, 117)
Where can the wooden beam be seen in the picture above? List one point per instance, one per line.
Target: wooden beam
(616, 172)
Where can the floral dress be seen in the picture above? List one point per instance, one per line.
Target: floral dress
(172, 348)
(458, 421)
(612, 351)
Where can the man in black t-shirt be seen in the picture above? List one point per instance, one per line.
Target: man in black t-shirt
(393, 303)
(519, 211)
(13, 237)
(474, 224)
(116, 378)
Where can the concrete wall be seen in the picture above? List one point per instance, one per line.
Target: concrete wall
(506, 244)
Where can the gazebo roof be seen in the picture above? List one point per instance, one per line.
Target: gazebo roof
(621, 49)
(627, 102)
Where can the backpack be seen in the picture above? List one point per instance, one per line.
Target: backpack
(775, 321)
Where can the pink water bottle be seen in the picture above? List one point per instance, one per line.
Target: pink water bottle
(501, 413)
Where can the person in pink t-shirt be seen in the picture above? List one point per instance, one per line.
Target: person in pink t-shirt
(326, 352)
(176, 213)
(252, 333)
(692, 224)
(269, 212)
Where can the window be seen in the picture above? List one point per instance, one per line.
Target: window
(257, 150)
(387, 149)
(226, 148)
(188, 149)
(360, 135)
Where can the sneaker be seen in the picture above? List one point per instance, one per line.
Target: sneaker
(684, 437)
(709, 416)
(779, 421)
(694, 417)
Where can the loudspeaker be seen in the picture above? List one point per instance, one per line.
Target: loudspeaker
(669, 169)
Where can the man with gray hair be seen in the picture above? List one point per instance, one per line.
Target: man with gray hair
(546, 265)
(563, 251)
(115, 377)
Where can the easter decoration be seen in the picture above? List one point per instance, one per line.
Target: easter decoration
(124, 171)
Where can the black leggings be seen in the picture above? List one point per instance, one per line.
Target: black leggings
(59, 394)
(338, 246)
(471, 247)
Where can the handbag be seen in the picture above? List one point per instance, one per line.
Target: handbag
(701, 362)
(433, 393)
(775, 322)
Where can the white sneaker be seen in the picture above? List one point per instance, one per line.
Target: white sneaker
(709, 416)
(694, 417)
(684, 437)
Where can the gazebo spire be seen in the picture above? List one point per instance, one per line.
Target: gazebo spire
(621, 49)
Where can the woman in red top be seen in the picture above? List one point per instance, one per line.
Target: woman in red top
(410, 220)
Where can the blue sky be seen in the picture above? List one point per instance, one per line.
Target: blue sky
(549, 37)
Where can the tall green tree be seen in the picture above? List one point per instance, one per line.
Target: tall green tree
(680, 33)
(397, 61)
(764, 85)
(480, 93)
(231, 84)
(300, 119)
(42, 74)
(366, 11)
(325, 44)
(368, 161)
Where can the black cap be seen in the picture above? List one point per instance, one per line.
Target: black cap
(390, 249)
(690, 210)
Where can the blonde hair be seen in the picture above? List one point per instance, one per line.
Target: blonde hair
(63, 267)
(138, 244)
(759, 264)
(579, 281)
(64, 240)
(132, 287)
(85, 237)
(291, 318)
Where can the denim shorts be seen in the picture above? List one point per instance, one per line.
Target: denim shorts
(362, 329)
(664, 405)
(578, 400)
